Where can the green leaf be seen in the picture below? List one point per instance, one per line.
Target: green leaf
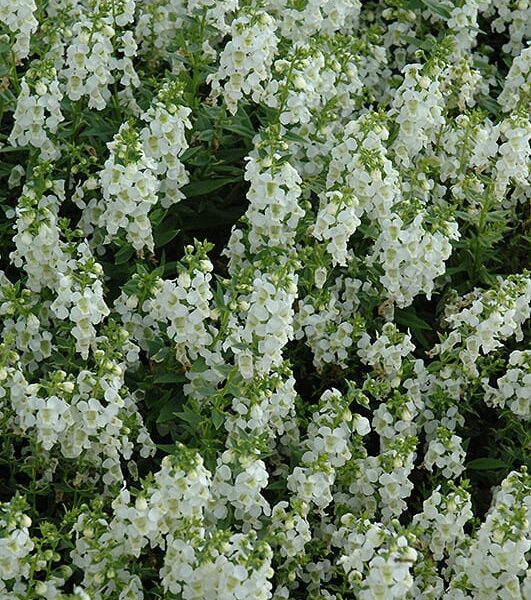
(457, 269)
(240, 129)
(161, 355)
(168, 448)
(189, 417)
(486, 464)
(276, 485)
(426, 42)
(442, 9)
(508, 60)
(214, 217)
(202, 123)
(207, 135)
(170, 378)
(202, 188)
(158, 272)
(231, 155)
(99, 128)
(123, 255)
(409, 318)
(166, 413)
(190, 153)
(489, 104)
(218, 417)
(7, 149)
(435, 366)
(295, 137)
(233, 389)
(199, 365)
(162, 238)
(223, 369)
(240, 346)
(218, 293)
(154, 346)
(131, 287)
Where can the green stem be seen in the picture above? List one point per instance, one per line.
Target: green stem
(285, 89)
(463, 148)
(481, 223)
(14, 74)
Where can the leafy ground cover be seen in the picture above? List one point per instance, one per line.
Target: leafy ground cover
(265, 299)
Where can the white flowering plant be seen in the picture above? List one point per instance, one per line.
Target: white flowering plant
(265, 299)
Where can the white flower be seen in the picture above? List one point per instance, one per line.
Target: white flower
(20, 19)
(445, 452)
(246, 59)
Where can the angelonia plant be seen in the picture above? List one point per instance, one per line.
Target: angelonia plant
(265, 299)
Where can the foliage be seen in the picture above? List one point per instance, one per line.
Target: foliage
(264, 299)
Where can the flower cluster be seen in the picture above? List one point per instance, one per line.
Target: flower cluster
(330, 324)
(487, 318)
(246, 59)
(446, 452)
(264, 299)
(327, 449)
(502, 541)
(38, 111)
(91, 60)
(385, 354)
(513, 389)
(377, 559)
(163, 140)
(336, 222)
(158, 24)
(412, 256)
(513, 162)
(130, 188)
(185, 305)
(15, 544)
(19, 19)
(517, 89)
(418, 106)
(267, 324)
(274, 192)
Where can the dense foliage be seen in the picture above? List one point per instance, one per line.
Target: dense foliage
(265, 299)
